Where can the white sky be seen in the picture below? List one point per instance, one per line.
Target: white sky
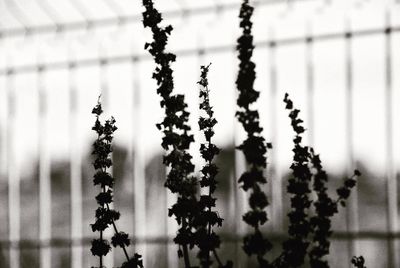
(208, 30)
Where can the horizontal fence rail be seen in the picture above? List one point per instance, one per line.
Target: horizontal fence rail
(92, 24)
(198, 51)
(66, 243)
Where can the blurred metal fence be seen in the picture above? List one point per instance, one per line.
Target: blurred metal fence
(76, 240)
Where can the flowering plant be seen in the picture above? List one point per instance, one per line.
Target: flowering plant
(309, 228)
(105, 216)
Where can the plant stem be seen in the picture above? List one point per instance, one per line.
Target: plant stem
(209, 209)
(116, 230)
(115, 227)
(184, 246)
(101, 257)
(217, 258)
(185, 249)
(101, 232)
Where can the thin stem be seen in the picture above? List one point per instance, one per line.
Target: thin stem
(101, 232)
(184, 246)
(116, 230)
(209, 206)
(113, 223)
(101, 257)
(185, 249)
(217, 258)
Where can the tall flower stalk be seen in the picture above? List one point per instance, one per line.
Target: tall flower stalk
(295, 248)
(254, 146)
(105, 216)
(176, 140)
(208, 241)
(195, 216)
(325, 208)
(304, 230)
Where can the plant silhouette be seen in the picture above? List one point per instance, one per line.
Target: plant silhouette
(105, 216)
(254, 146)
(207, 240)
(305, 230)
(176, 140)
(309, 230)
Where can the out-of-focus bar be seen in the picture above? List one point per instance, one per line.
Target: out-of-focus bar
(44, 175)
(391, 180)
(75, 170)
(14, 213)
(352, 209)
(139, 182)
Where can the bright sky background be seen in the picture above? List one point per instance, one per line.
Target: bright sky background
(120, 80)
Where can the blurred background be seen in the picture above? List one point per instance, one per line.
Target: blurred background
(339, 60)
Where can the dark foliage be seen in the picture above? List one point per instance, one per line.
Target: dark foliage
(207, 240)
(310, 220)
(176, 140)
(104, 215)
(135, 261)
(358, 262)
(254, 147)
(295, 248)
(325, 208)
(309, 235)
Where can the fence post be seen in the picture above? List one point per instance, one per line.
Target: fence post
(14, 214)
(75, 167)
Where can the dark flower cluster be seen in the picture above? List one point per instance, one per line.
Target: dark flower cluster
(309, 231)
(208, 241)
(307, 170)
(344, 191)
(358, 262)
(295, 248)
(325, 208)
(135, 261)
(254, 147)
(176, 140)
(104, 215)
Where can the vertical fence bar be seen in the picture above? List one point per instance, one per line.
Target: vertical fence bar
(44, 175)
(131, 151)
(14, 214)
(391, 183)
(75, 168)
(139, 182)
(275, 174)
(310, 83)
(352, 209)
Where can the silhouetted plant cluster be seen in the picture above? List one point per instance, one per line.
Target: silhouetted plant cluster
(208, 240)
(309, 227)
(104, 215)
(295, 248)
(358, 262)
(254, 146)
(194, 215)
(309, 235)
(325, 208)
(176, 140)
